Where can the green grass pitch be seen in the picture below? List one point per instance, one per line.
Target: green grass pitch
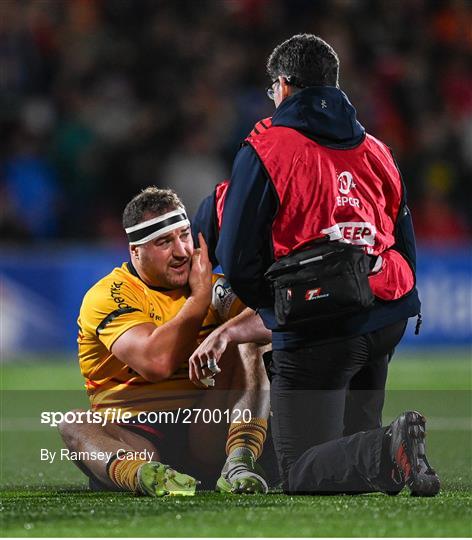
(38, 499)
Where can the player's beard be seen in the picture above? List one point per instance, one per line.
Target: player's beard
(177, 277)
(159, 271)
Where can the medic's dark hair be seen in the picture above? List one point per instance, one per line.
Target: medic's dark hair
(305, 60)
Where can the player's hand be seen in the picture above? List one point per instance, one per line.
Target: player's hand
(204, 361)
(200, 273)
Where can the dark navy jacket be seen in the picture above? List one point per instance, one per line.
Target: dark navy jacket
(244, 247)
(206, 222)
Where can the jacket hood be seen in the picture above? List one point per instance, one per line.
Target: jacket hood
(323, 113)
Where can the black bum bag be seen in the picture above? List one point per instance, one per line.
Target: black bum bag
(326, 281)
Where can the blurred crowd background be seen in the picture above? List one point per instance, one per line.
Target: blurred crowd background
(100, 98)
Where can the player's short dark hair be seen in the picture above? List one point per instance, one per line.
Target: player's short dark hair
(151, 202)
(306, 60)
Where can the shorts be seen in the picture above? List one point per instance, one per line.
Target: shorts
(171, 440)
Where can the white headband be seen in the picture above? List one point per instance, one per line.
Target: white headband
(158, 226)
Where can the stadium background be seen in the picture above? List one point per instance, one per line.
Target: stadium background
(99, 98)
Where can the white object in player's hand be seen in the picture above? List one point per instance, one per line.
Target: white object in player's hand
(213, 366)
(208, 381)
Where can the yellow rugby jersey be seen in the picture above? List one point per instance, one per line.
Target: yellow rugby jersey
(115, 304)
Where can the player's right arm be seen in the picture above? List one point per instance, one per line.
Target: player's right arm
(156, 352)
(247, 327)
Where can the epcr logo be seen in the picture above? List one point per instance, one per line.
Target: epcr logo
(345, 182)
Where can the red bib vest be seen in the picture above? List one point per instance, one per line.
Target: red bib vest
(352, 194)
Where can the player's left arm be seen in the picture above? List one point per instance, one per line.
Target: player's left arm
(247, 327)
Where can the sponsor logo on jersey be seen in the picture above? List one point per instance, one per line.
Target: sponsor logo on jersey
(360, 233)
(343, 200)
(345, 184)
(115, 293)
(222, 297)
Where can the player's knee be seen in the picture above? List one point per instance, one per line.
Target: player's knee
(67, 433)
(68, 426)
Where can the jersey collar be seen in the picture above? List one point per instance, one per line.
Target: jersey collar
(132, 270)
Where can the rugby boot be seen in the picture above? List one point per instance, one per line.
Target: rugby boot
(407, 451)
(241, 474)
(158, 480)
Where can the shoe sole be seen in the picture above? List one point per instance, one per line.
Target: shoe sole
(223, 486)
(251, 483)
(421, 483)
(248, 486)
(158, 480)
(180, 484)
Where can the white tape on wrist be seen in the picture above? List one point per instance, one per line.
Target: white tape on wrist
(213, 366)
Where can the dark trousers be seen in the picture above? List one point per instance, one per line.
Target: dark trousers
(355, 464)
(325, 392)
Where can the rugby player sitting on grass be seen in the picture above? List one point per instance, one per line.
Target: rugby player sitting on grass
(138, 326)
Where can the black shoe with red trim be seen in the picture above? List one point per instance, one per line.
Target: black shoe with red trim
(407, 451)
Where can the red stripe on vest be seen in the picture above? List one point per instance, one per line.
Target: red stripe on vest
(220, 196)
(261, 126)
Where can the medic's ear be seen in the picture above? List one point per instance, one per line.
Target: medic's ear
(285, 88)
